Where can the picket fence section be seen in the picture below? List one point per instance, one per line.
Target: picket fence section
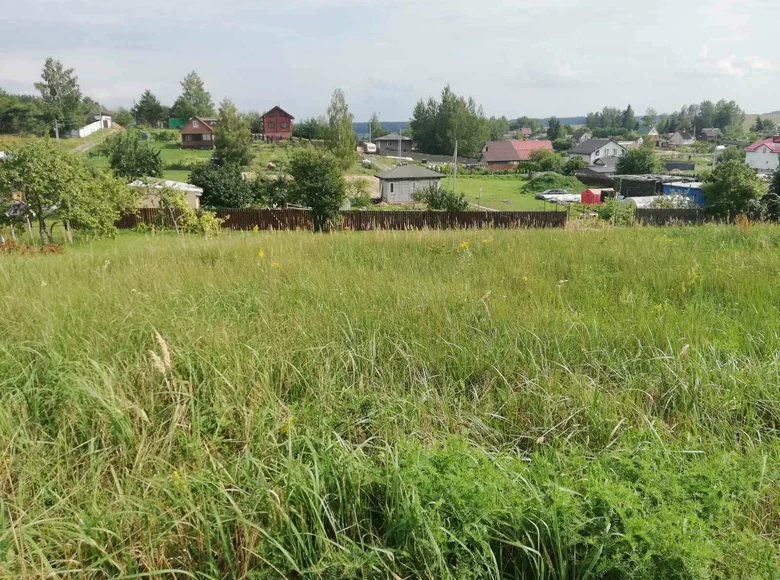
(301, 219)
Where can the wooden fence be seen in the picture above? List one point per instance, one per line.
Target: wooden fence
(300, 219)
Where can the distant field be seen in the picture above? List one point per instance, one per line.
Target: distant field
(751, 119)
(554, 404)
(502, 192)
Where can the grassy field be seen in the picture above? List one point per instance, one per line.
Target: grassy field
(502, 192)
(750, 120)
(486, 404)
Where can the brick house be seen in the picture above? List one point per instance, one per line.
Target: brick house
(198, 133)
(277, 125)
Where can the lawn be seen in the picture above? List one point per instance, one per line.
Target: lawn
(502, 192)
(464, 404)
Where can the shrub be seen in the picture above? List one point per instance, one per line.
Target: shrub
(357, 193)
(317, 184)
(223, 186)
(733, 189)
(438, 198)
(165, 136)
(186, 220)
(639, 161)
(130, 157)
(573, 164)
(618, 212)
(553, 181)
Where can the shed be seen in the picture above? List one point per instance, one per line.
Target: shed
(150, 199)
(399, 184)
(393, 144)
(690, 190)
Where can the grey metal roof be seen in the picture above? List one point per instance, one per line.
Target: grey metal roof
(393, 137)
(591, 145)
(409, 172)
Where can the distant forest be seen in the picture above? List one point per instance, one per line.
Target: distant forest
(392, 126)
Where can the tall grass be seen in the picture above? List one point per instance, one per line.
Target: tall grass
(547, 404)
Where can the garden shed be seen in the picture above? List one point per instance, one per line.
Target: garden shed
(399, 184)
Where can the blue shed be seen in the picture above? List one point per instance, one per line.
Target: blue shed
(691, 190)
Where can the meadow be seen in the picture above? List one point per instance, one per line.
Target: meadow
(501, 192)
(474, 404)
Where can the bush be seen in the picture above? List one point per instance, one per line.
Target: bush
(438, 198)
(317, 184)
(186, 220)
(573, 164)
(357, 193)
(554, 181)
(224, 186)
(639, 161)
(165, 136)
(733, 189)
(131, 158)
(618, 212)
(562, 144)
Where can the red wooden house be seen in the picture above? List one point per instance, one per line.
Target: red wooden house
(277, 125)
(198, 133)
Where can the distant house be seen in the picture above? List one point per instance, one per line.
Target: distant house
(526, 132)
(399, 184)
(649, 133)
(631, 144)
(393, 144)
(151, 199)
(602, 167)
(277, 125)
(198, 133)
(507, 155)
(681, 138)
(764, 155)
(711, 135)
(594, 149)
(581, 135)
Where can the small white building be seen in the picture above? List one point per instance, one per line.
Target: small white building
(594, 149)
(764, 155)
(151, 199)
(399, 184)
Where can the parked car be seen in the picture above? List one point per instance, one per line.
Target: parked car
(551, 192)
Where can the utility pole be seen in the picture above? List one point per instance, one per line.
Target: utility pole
(56, 131)
(479, 199)
(455, 178)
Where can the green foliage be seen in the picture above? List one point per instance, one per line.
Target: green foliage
(149, 111)
(628, 119)
(123, 117)
(317, 184)
(535, 125)
(554, 181)
(22, 114)
(497, 128)
(224, 187)
(254, 121)
(554, 129)
(437, 125)
(358, 193)
(165, 136)
(638, 161)
(764, 126)
(311, 128)
(731, 153)
(724, 115)
(376, 127)
(439, 198)
(573, 164)
(734, 189)
(194, 101)
(340, 137)
(563, 144)
(545, 160)
(232, 139)
(130, 157)
(184, 218)
(61, 94)
(616, 212)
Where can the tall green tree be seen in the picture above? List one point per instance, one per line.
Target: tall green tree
(376, 127)
(194, 101)
(734, 189)
(497, 128)
(554, 128)
(123, 117)
(130, 158)
(311, 128)
(639, 161)
(318, 184)
(149, 110)
(60, 91)
(628, 119)
(223, 186)
(232, 139)
(651, 117)
(340, 137)
(21, 114)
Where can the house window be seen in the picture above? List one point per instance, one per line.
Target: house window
(597, 152)
(271, 124)
(195, 124)
(207, 137)
(391, 188)
(188, 137)
(284, 125)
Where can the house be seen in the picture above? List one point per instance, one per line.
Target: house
(507, 155)
(198, 133)
(526, 132)
(690, 190)
(710, 135)
(581, 135)
(594, 149)
(681, 138)
(399, 184)
(764, 155)
(632, 144)
(151, 199)
(277, 125)
(393, 144)
(602, 167)
(649, 133)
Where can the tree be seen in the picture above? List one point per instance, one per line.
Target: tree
(651, 117)
(224, 186)
(734, 189)
(131, 158)
(628, 120)
(61, 94)
(21, 114)
(253, 120)
(438, 198)
(497, 128)
(375, 127)
(312, 128)
(771, 201)
(148, 110)
(562, 144)
(639, 161)
(194, 100)
(573, 164)
(55, 183)
(554, 128)
(731, 153)
(232, 139)
(123, 117)
(318, 184)
(340, 137)
(547, 160)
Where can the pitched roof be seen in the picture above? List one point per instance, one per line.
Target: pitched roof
(526, 131)
(278, 108)
(205, 123)
(160, 183)
(409, 172)
(711, 132)
(773, 143)
(511, 151)
(591, 145)
(393, 137)
(684, 135)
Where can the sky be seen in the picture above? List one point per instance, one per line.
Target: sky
(515, 57)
